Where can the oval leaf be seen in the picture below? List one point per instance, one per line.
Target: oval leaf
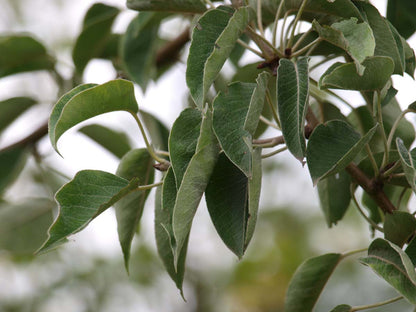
(87, 101)
(235, 119)
(332, 146)
(135, 164)
(399, 227)
(292, 103)
(378, 70)
(190, 6)
(12, 108)
(82, 199)
(213, 39)
(308, 281)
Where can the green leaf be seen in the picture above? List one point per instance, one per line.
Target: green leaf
(135, 164)
(238, 51)
(332, 146)
(292, 99)
(401, 14)
(138, 48)
(394, 266)
(235, 119)
(411, 251)
(194, 182)
(335, 196)
(159, 133)
(232, 200)
(308, 281)
(82, 199)
(409, 58)
(408, 161)
(356, 39)
(23, 54)
(342, 308)
(388, 42)
(95, 34)
(378, 70)
(12, 162)
(115, 142)
(23, 226)
(87, 101)
(184, 6)
(165, 241)
(213, 39)
(390, 94)
(399, 226)
(12, 108)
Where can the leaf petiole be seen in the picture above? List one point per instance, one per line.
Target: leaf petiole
(375, 305)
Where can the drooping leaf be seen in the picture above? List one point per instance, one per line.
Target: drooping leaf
(23, 226)
(213, 39)
(292, 100)
(82, 199)
(332, 146)
(12, 162)
(308, 281)
(194, 182)
(164, 204)
(135, 164)
(335, 197)
(378, 70)
(232, 200)
(159, 133)
(235, 119)
(394, 266)
(184, 6)
(12, 108)
(399, 226)
(408, 161)
(95, 33)
(356, 39)
(23, 54)
(87, 101)
(138, 48)
(115, 142)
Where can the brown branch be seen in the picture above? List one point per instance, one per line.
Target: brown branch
(169, 52)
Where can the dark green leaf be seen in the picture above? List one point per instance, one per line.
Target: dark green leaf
(235, 119)
(82, 199)
(332, 146)
(12, 162)
(390, 94)
(292, 99)
(378, 70)
(213, 39)
(411, 251)
(408, 161)
(184, 6)
(95, 34)
(87, 101)
(308, 281)
(399, 226)
(334, 195)
(401, 14)
(342, 308)
(135, 164)
(12, 108)
(410, 59)
(23, 54)
(138, 48)
(394, 266)
(115, 142)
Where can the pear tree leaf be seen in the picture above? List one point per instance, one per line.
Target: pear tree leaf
(408, 161)
(159, 133)
(409, 58)
(194, 183)
(12, 108)
(292, 103)
(400, 14)
(21, 53)
(135, 164)
(115, 142)
(213, 39)
(378, 70)
(184, 6)
(308, 282)
(235, 118)
(399, 226)
(87, 101)
(95, 34)
(355, 38)
(394, 266)
(12, 162)
(82, 199)
(342, 308)
(332, 146)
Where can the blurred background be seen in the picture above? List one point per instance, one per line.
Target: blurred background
(87, 274)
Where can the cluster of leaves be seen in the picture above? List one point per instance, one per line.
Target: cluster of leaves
(214, 146)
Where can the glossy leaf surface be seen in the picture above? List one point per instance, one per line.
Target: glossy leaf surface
(292, 103)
